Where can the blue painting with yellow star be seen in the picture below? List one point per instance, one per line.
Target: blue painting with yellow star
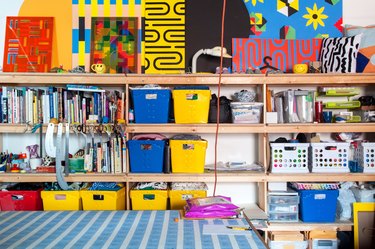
(295, 19)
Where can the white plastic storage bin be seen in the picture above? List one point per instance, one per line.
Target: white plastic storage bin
(329, 157)
(288, 244)
(246, 112)
(365, 155)
(289, 157)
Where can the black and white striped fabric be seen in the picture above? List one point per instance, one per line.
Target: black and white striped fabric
(339, 55)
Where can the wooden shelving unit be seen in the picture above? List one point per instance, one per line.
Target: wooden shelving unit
(260, 82)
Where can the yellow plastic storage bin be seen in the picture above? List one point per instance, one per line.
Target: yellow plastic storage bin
(191, 106)
(61, 200)
(188, 156)
(103, 199)
(177, 198)
(149, 199)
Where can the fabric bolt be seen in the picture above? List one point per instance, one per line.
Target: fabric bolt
(116, 229)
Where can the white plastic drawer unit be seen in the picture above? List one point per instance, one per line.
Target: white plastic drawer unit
(283, 199)
(282, 217)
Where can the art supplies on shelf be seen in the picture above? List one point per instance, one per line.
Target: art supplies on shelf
(315, 186)
(338, 91)
(342, 105)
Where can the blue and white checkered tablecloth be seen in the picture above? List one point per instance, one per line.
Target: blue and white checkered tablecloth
(116, 229)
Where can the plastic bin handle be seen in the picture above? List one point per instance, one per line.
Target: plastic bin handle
(148, 197)
(330, 148)
(17, 197)
(186, 196)
(289, 148)
(98, 197)
(60, 197)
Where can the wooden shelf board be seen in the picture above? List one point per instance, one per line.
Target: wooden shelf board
(195, 128)
(177, 177)
(51, 177)
(223, 128)
(204, 177)
(319, 177)
(304, 226)
(324, 128)
(122, 79)
(319, 79)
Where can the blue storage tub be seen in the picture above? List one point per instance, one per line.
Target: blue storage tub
(146, 156)
(318, 205)
(151, 105)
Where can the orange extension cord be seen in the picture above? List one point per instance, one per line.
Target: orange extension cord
(218, 91)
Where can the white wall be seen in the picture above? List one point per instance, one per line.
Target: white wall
(356, 12)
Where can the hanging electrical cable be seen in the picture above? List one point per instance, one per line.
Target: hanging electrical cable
(219, 90)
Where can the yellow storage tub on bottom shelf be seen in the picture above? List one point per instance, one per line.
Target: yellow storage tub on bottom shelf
(191, 106)
(178, 198)
(103, 199)
(188, 156)
(149, 199)
(61, 200)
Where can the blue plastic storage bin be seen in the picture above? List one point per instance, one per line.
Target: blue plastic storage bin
(146, 156)
(318, 205)
(151, 105)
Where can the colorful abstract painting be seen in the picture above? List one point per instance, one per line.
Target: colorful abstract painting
(28, 44)
(114, 43)
(295, 19)
(250, 53)
(82, 13)
(164, 36)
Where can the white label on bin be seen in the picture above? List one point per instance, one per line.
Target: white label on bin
(151, 96)
(319, 196)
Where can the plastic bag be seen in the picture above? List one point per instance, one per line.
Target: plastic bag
(345, 201)
(212, 203)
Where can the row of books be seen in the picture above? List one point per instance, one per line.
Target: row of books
(72, 104)
(106, 157)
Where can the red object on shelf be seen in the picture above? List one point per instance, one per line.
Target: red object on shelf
(21, 200)
(46, 169)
